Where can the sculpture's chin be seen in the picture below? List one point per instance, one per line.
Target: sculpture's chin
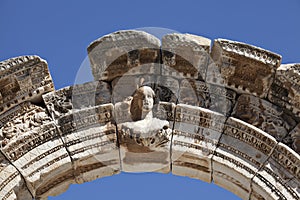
(147, 108)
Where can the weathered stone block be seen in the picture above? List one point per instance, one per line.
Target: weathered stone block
(23, 78)
(91, 140)
(243, 67)
(294, 187)
(280, 168)
(147, 151)
(231, 174)
(20, 109)
(119, 53)
(72, 98)
(293, 139)
(242, 150)
(285, 90)
(167, 89)
(262, 189)
(195, 136)
(185, 55)
(213, 97)
(246, 142)
(264, 115)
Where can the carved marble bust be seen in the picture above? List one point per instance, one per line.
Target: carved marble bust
(142, 103)
(145, 129)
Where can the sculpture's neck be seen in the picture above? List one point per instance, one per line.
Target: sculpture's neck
(147, 115)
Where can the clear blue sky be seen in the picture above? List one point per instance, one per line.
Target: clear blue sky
(60, 31)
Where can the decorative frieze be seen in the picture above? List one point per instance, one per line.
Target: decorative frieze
(264, 115)
(293, 139)
(213, 97)
(18, 110)
(243, 67)
(167, 89)
(22, 123)
(72, 98)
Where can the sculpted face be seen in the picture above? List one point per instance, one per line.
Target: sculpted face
(146, 98)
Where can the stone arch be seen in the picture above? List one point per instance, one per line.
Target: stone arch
(50, 139)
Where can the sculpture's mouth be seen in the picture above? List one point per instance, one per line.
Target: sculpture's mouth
(147, 108)
(147, 105)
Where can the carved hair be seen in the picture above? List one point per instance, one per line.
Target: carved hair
(135, 110)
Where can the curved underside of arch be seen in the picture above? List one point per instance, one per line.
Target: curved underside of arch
(232, 113)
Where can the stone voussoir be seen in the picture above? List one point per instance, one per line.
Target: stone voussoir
(147, 151)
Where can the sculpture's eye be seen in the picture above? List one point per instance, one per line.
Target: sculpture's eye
(152, 140)
(138, 141)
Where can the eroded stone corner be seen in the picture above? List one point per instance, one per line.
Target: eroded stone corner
(12, 184)
(118, 53)
(29, 137)
(33, 145)
(23, 78)
(185, 55)
(277, 177)
(242, 150)
(285, 90)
